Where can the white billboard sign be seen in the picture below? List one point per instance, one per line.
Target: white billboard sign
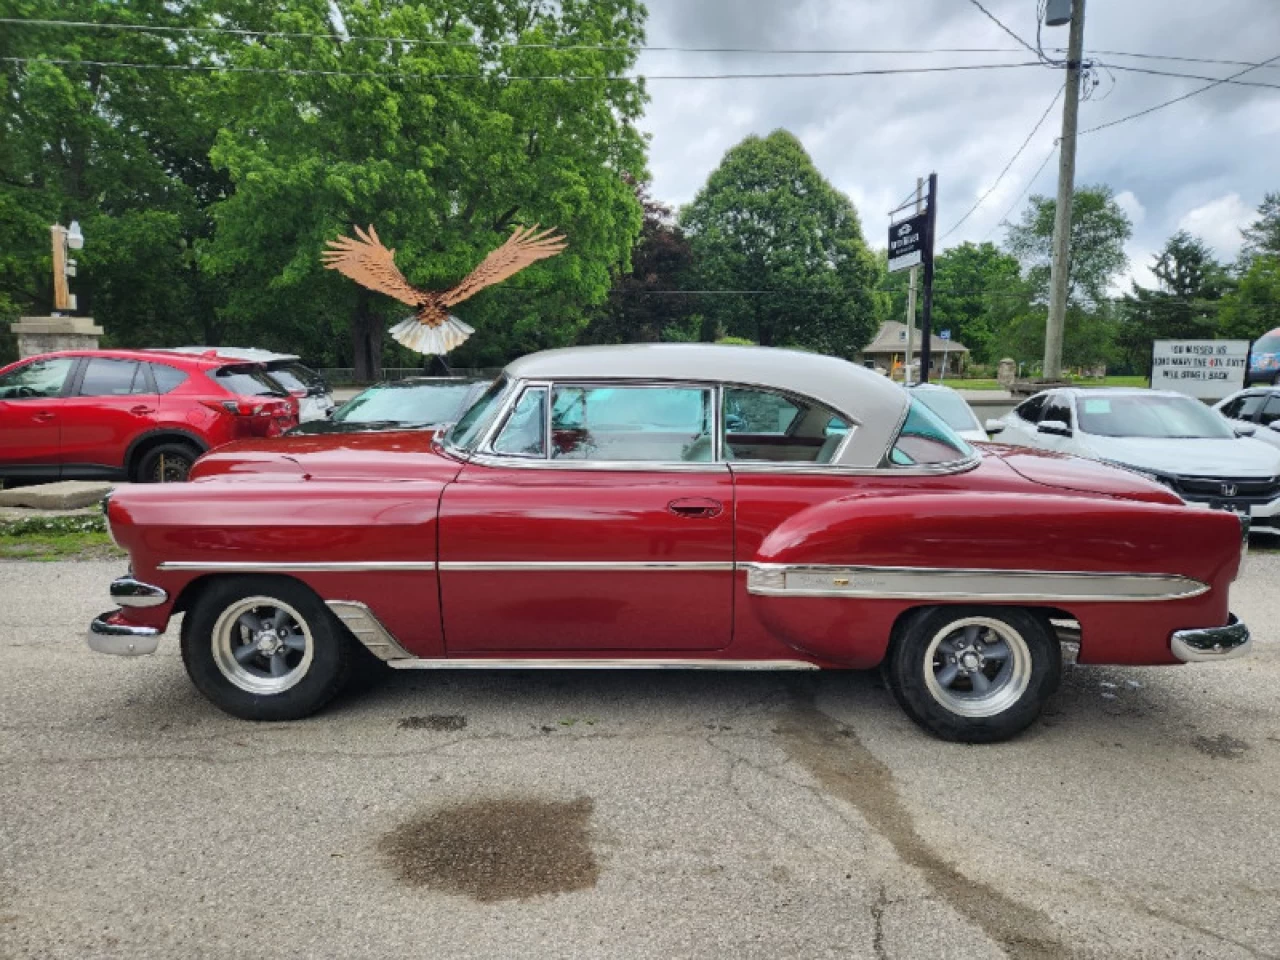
(1205, 369)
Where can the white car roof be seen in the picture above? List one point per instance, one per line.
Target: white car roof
(240, 353)
(871, 403)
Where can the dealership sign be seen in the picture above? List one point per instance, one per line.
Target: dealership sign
(908, 242)
(1205, 369)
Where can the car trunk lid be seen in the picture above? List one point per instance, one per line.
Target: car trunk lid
(387, 455)
(1063, 472)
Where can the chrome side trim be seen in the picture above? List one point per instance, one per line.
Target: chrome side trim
(1209, 644)
(586, 566)
(368, 629)
(593, 663)
(925, 583)
(121, 639)
(838, 470)
(128, 592)
(251, 566)
(631, 466)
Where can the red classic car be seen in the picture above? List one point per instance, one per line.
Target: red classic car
(687, 506)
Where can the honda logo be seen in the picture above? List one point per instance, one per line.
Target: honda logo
(1229, 489)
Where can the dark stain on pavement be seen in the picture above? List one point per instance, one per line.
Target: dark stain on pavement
(508, 848)
(834, 755)
(1221, 747)
(434, 721)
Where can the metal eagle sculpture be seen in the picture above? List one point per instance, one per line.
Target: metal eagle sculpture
(433, 330)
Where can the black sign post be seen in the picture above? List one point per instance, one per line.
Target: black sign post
(926, 321)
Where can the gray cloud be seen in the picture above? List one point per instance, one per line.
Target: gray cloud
(871, 136)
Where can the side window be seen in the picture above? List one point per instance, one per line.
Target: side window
(1231, 409)
(926, 439)
(756, 411)
(39, 379)
(1271, 412)
(760, 425)
(525, 432)
(657, 424)
(1059, 409)
(113, 378)
(1032, 410)
(167, 378)
(1249, 406)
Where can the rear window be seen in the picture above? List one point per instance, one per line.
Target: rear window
(294, 376)
(950, 406)
(167, 378)
(926, 439)
(247, 381)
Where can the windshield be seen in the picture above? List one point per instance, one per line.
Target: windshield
(425, 403)
(1269, 343)
(248, 381)
(1153, 415)
(950, 406)
(926, 439)
(466, 433)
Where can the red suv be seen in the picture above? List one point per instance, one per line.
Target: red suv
(141, 415)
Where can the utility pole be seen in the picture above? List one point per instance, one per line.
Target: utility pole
(911, 302)
(926, 319)
(1066, 189)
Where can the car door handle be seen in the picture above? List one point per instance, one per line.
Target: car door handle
(696, 507)
(141, 409)
(44, 416)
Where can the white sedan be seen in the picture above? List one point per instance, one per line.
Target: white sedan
(1257, 408)
(1169, 437)
(952, 408)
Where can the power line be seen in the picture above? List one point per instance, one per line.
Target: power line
(996, 20)
(1180, 59)
(1169, 103)
(1035, 176)
(571, 77)
(1196, 76)
(1012, 160)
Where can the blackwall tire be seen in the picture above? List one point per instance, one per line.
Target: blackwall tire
(167, 463)
(265, 648)
(974, 674)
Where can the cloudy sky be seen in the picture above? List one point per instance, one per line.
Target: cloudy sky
(1202, 165)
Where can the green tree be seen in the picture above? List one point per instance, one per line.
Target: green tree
(973, 286)
(439, 146)
(767, 220)
(1262, 237)
(1191, 284)
(1099, 230)
(1253, 307)
(641, 307)
(123, 151)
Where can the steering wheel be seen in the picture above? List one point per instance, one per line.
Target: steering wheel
(24, 391)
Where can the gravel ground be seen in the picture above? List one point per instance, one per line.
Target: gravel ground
(666, 815)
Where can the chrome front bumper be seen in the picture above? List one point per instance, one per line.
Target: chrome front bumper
(129, 592)
(121, 639)
(1212, 643)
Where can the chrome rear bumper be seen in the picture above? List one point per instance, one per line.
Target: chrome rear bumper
(1212, 643)
(121, 639)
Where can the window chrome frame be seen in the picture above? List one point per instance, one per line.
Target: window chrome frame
(512, 388)
(509, 411)
(791, 396)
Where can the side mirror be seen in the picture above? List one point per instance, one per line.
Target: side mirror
(997, 426)
(1244, 429)
(1055, 428)
(1274, 425)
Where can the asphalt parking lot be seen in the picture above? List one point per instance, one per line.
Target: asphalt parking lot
(669, 815)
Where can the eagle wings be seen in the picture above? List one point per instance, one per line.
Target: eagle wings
(432, 330)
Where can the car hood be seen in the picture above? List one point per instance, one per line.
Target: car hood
(385, 455)
(1225, 457)
(1064, 472)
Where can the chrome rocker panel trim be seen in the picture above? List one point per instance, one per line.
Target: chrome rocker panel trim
(368, 629)
(588, 566)
(128, 592)
(594, 663)
(977, 585)
(287, 566)
(1210, 644)
(121, 639)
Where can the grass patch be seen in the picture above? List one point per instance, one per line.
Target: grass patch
(77, 537)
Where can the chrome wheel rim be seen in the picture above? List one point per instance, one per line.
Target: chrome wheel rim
(262, 645)
(977, 667)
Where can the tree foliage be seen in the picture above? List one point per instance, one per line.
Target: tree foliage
(767, 220)
(1262, 236)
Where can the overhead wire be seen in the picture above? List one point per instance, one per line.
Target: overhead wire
(1012, 160)
(1034, 177)
(996, 20)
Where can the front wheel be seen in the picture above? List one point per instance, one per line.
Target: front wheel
(974, 674)
(265, 648)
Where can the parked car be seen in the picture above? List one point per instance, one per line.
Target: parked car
(315, 396)
(952, 408)
(1264, 360)
(1256, 409)
(415, 403)
(1166, 436)
(590, 510)
(141, 415)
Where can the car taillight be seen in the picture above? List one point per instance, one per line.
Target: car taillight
(258, 418)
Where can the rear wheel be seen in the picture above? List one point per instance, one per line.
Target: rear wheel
(167, 463)
(974, 674)
(265, 648)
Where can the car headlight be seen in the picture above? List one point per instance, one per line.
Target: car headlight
(1164, 479)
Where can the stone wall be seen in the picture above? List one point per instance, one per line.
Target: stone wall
(36, 335)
